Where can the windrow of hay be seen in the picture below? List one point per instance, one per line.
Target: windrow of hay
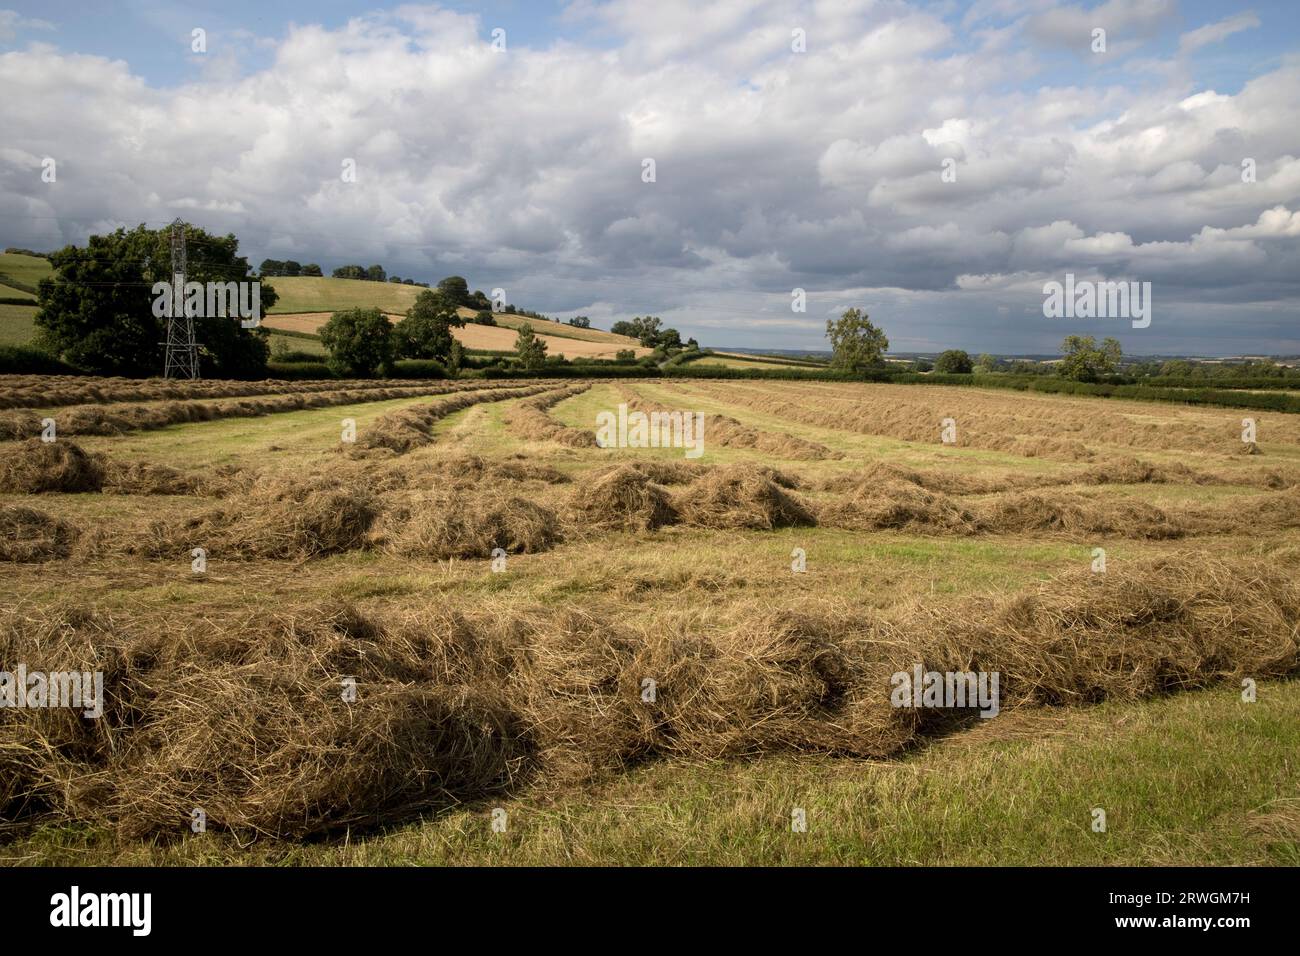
(27, 534)
(1176, 623)
(246, 718)
(51, 391)
(464, 471)
(529, 420)
(742, 496)
(729, 432)
(1078, 514)
(887, 503)
(35, 466)
(1046, 426)
(398, 432)
(118, 418)
(460, 523)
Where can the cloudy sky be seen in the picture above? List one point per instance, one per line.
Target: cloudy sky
(775, 167)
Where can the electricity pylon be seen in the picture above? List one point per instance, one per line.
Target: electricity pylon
(182, 357)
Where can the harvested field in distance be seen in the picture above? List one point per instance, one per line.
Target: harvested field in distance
(560, 340)
(497, 589)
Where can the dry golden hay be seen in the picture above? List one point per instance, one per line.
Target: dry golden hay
(50, 391)
(1076, 513)
(34, 466)
(659, 471)
(741, 496)
(465, 471)
(455, 523)
(529, 419)
(1149, 627)
(27, 534)
(875, 504)
(146, 478)
(250, 724)
(409, 428)
(117, 418)
(624, 497)
(245, 717)
(273, 521)
(729, 432)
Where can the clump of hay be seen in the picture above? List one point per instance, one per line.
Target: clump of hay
(460, 524)
(741, 496)
(625, 497)
(27, 534)
(275, 521)
(35, 466)
(146, 478)
(249, 723)
(665, 472)
(892, 504)
(1077, 513)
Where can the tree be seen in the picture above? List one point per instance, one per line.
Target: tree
(625, 355)
(624, 328)
(531, 349)
(359, 341)
(311, 269)
(479, 301)
(455, 359)
(580, 322)
(291, 268)
(856, 344)
(96, 310)
(954, 362)
(923, 365)
(986, 363)
(426, 330)
(349, 272)
(458, 290)
(271, 267)
(376, 274)
(1083, 361)
(484, 317)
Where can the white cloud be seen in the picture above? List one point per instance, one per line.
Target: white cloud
(774, 169)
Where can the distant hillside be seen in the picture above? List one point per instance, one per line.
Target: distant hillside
(311, 299)
(19, 274)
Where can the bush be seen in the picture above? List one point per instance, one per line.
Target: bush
(24, 360)
(360, 342)
(418, 368)
(298, 371)
(953, 362)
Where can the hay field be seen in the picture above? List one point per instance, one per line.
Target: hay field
(498, 338)
(366, 567)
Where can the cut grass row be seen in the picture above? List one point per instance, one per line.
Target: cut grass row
(1020, 794)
